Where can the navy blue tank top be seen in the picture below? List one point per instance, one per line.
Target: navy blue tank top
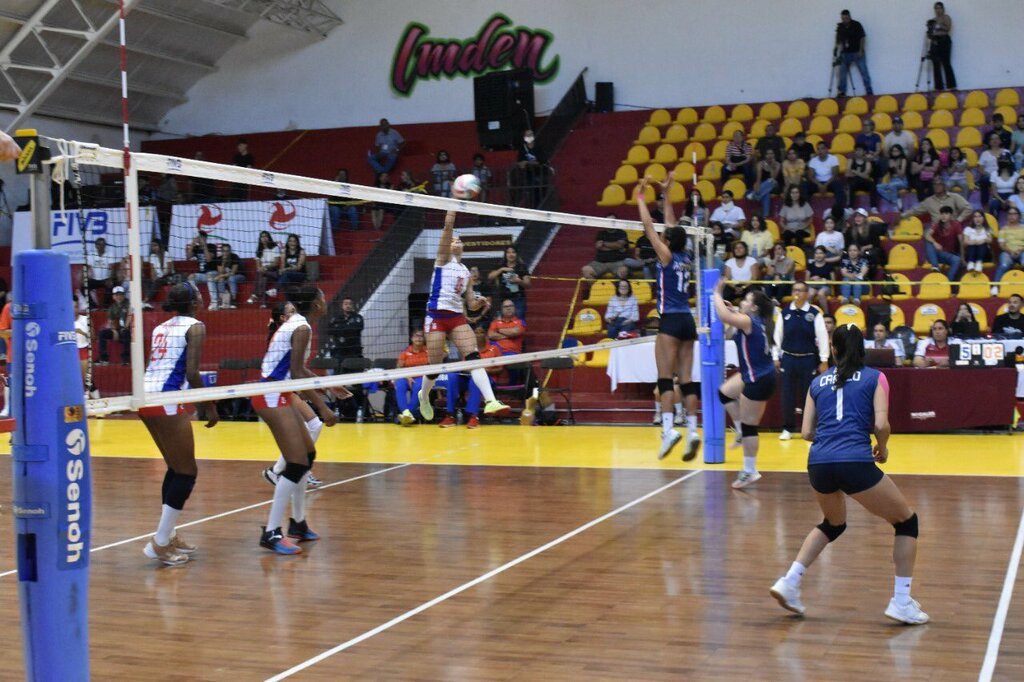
(754, 351)
(674, 285)
(846, 417)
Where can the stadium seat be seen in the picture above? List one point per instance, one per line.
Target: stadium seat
(908, 230)
(638, 155)
(820, 125)
(666, 153)
(934, 287)
(842, 143)
(736, 186)
(1009, 114)
(714, 114)
(704, 132)
(974, 286)
(925, 316)
(677, 193)
(945, 101)
(790, 126)
(613, 195)
(813, 139)
(587, 322)
(1011, 283)
(940, 119)
(1007, 97)
(599, 358)
(648, 135)
(968, 137)
(896, 316)
(980, 316)
(718, 151)
(694, 151)
(741, 112)
(707, 190)
(642, 291)
(626, 175)
(850, 314)
(798, 109)
(798, 256)
(856, 106)
(883, 122)
(684, 171)
(939, 138)
(972, 156)
(903, 284)
(758, 128)
(660, 117)
(773, 228)
(915, 102)
(687, 116)
(826, 107)
(992, 223)
(601, 291)
(730, 128)
(712, 170)
(972, 117)
(976, 99)
(656, 171)
(912, 120)
(886, 104)
(769, 111)
(676, 133)
(1002, 309)
(649, 195)
(850, 123)
(902, 257)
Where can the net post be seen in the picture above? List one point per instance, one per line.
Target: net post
(39, 199)
(712, 371)
(131, 197)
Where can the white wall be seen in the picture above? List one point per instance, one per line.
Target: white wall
(657, 52)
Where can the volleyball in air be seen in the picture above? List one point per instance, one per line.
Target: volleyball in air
(466, 186)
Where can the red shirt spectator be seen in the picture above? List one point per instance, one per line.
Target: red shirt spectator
(415, 354)
(507, 331)
(946, 232)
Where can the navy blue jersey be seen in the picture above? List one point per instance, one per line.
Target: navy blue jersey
(674, 285)
(755, 351)
(846, 417)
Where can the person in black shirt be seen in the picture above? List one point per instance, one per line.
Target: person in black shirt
(803, 148)
(511, 279)
(205, 256)
(611, 256)
(224, 283)
(1010, 323)
(530, 172)
(644, 252)
(850, 39)
(346, 331)
(244, 159)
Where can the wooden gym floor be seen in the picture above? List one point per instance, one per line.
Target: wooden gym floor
(513, 553)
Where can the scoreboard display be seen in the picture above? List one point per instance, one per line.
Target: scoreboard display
(977, 354)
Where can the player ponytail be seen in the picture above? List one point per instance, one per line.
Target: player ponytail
(848, 348)
(276, 319)
(766, 311)
(302, 296)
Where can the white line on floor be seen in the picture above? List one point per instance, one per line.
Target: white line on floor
(989, 666)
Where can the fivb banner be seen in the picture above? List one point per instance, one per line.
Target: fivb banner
(240, 224)
(66, 228)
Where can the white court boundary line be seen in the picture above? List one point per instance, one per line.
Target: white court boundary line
(476, 581)
(988, 668)
(230, 512)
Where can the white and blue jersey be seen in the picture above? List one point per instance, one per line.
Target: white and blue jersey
(754, 352)
(674, 285)
(168, 355)
(846, 417)
(448, 287)
(277, 362)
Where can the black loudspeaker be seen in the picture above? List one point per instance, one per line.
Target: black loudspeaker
(604, 97)
(503, 107)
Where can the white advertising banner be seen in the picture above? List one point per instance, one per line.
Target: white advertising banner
(66, 229)
(240, 223)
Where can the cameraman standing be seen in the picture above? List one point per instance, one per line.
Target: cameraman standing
(939, 29)
(850, 39)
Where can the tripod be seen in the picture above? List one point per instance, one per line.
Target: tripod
(926, 56)
(837, 63)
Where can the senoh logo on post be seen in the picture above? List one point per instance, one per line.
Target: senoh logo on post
(31, 346)
(71, 521)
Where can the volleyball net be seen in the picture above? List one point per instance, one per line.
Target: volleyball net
(243, 236)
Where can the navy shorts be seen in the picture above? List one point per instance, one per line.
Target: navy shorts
(850, 477)
(678, 325)
(761, 389)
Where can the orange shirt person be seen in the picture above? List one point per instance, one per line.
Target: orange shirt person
(406, 389)
(507, 331)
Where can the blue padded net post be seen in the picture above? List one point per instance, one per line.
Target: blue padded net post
(712, 371)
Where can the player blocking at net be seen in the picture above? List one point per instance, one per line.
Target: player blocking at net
(449, 290)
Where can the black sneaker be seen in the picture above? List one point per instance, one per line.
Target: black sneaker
(300, 531)
(276, 542)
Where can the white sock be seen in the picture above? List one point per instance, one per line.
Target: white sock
(666, 422)
(314, 426)
(795, 574)
(168, 520)
(279, 465)
(679, 408)
(483, 382)
(282, 494)
(749, 464)
(691, 423)
(299, 499)
(657, 407)
(426, 387)
(901, 590)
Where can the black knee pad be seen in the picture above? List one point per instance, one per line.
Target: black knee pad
(690, 388)
(294, 472)
(312, 457)
(908, 527)
(748, 430)
(665, 386)
(179, 490)
(168, 477)
(830, 531)
(473, 356)
(724, 399)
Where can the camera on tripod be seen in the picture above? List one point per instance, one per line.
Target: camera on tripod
(930, 28)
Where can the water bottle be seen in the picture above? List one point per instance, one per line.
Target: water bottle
(458, 416)
(359, 416)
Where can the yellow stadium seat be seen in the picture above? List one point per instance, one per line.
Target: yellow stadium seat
(676, 193)
(704, 132)
(638, 155)
(842, 143)
(915, 102)
(660, 117)
(684, 171)
(972, 156)
(980, 316)
(992, 223)
(976, 99)
(773, 228)
(939, 138)
(790, 126)
(1002, 309)
(1011, 283)
(758, 127)
(798, 256)
(707, 190)
(599, 358)
(687, 116)
(820, 125)
(974, 286)
(903, 284)
(741, 112)
(896, 316)
(656, 171)
(934, 287)
(601, 291)
(712, 170)
(1009, 114)
(968, 137)
(886, 104)
(649, 195)
(940, 119)
(856, 106)
(814, 139)
(642, 291)
(718, 151)
(731, 127)
(588, 321)
(909, 230)
(736, 186)
(676, 133)
(648, 135)
(883, 122)
(666, 153)
(925, 316)
(826, 107)
(626, 175)
(613, 195)
(912, 120)
(714, 114)
(945, 101)
(849, 314)
(841, 158)
(633, 235)
(769, 111)
(798, 109)
(850, 123)
(972, 117)
(902, 257)
(1007, 97)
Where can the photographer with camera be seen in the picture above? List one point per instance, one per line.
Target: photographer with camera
(850, 38)
(939, 29)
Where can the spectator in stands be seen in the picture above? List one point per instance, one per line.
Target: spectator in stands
(934, 350)
(741, 267)
(880, 333)
(338, 208)
(771, 141)
(406, 390)
(955, 173)
(623, 312)
(508, 330)
(988, 165)
(244, 159)
(795, 216)
(804, 149)
(1017, 198)
(853, 269)
(832, 240)
(204, 254)
(823, 175)
(830, 326)
(696, 209)
(976, 241)
(1007, 185)
(868, 236)
(166, 196)
(898, 177)
(1011, 245)
(387, 145)
(644, 252)
(611, 257)
(722, 241)
(159, 273)
(778, 267)
(942, 242)
(268, 260)
(964, 324)
(103, 271)
(800, 350)
(729, 214)
(998, 127)
(942, 48)
(1010, 323)
(873, 146)
(511, 280)
(460, 383)
(925, 167)
(442, 173)
(483, 174)
(739, 159)
(1017, 142)
(898, 136)
(794, 170)
(119, 326)
(202, 190)
(292, 266)
(939, 198)
(758, 239)
(819, 277)
(766, 180)
(850, 39)
(224, 284)
(529, 177)
(860, 177)
(480, 316)
(346, 331)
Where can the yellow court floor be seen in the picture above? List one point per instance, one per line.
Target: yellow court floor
(606, 447)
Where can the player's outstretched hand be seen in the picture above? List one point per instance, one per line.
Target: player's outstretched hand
(211, 415)
(9, 149)
(881, 454)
